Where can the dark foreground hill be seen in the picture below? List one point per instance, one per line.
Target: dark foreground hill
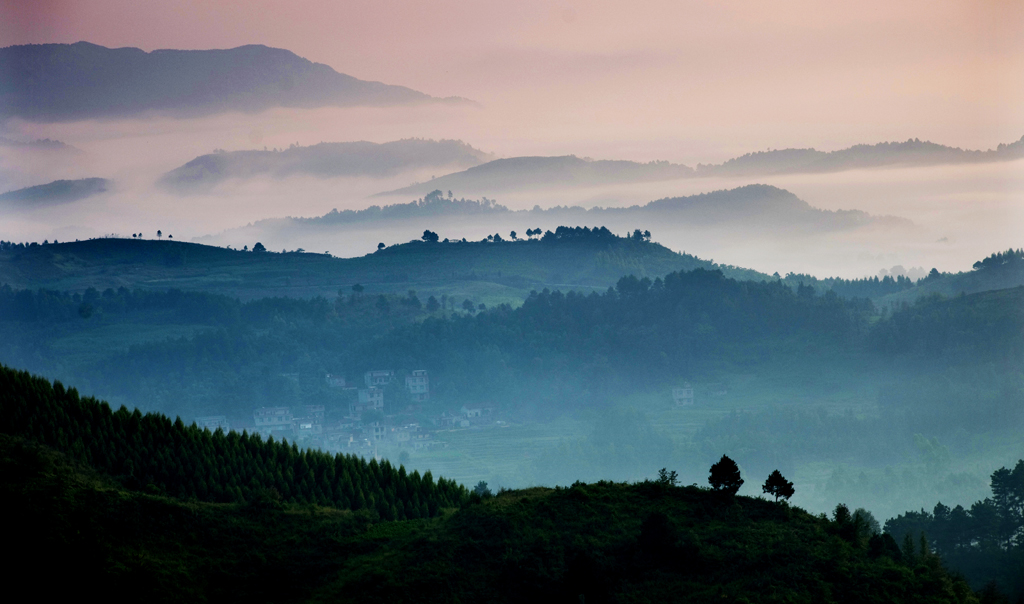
(611, 542)
(60, 82)
(324, 160)
(511, 267)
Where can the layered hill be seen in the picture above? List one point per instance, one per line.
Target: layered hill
(100, 508)
(912, 152)
(54, 193)
(526, 173)
(324, 160)
(60, 82)
(514, 267)
(750, 208)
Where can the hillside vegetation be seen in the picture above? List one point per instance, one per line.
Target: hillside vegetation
(603, 542)
(457, 268)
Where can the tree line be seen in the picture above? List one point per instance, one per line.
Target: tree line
(150, 452)
(985, 541)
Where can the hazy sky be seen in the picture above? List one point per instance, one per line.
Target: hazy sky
(677, 79)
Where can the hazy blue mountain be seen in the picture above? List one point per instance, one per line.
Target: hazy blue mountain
(56, 192)
(78, 81)
(523, 173)
(42, 144)
(324, 160)
(752, 205)
(536, 172)
(912, 152)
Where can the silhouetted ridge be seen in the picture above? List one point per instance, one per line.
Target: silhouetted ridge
(82, 80)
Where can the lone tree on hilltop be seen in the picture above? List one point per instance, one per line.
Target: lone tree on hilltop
(381, 246)
(777, 486)
(159, 234)
(725, 476)
(259, 247)
(430, 236)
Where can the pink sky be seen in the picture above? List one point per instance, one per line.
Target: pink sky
(677, 79)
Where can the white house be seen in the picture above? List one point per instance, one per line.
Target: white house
(418, 385)
(378, 378)
(683, 397)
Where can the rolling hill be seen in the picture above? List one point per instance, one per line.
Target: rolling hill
(527, 173)
(324, 160)
(62, 82)
(506, 269)
(524, 173)
(752, 208)
(54, 193)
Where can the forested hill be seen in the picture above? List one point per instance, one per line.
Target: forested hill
(153, 453)
(571, 258)
(143, 509)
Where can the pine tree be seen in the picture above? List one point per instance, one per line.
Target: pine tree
(725, 476)
(777, 486)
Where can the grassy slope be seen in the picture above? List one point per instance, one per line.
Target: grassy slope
(607, 542)
(489, 272)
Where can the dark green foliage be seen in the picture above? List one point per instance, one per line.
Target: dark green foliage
(611, 542)
(725, 476)
(777, 486)
(985, 542)
(149, 452)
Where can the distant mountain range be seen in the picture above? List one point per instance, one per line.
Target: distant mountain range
(42, 144)
(912, 152)
(524, 173)
(62, 82)
(324, 160)
(517, 173)
(54, 193)
(752, 205)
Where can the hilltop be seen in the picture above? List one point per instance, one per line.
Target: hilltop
(750, 209)
(511, 268)
(323, 161)
(62, 82)
(111, 513)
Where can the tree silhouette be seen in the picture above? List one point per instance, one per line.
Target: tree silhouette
(381, 246)
(513, 235)
(259, 247)
(467, 304)
(725, 476)
(159, 234)
(430, 236)
(777, 486)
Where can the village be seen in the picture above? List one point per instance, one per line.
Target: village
(382, 413)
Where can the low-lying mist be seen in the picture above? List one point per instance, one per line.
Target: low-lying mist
(960, 213)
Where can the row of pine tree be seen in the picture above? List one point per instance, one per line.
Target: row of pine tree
(149, 451)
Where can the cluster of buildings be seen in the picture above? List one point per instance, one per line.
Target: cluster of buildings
(683, 396)
(363, 425)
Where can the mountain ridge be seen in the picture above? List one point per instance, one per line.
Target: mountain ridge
(66, 82)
